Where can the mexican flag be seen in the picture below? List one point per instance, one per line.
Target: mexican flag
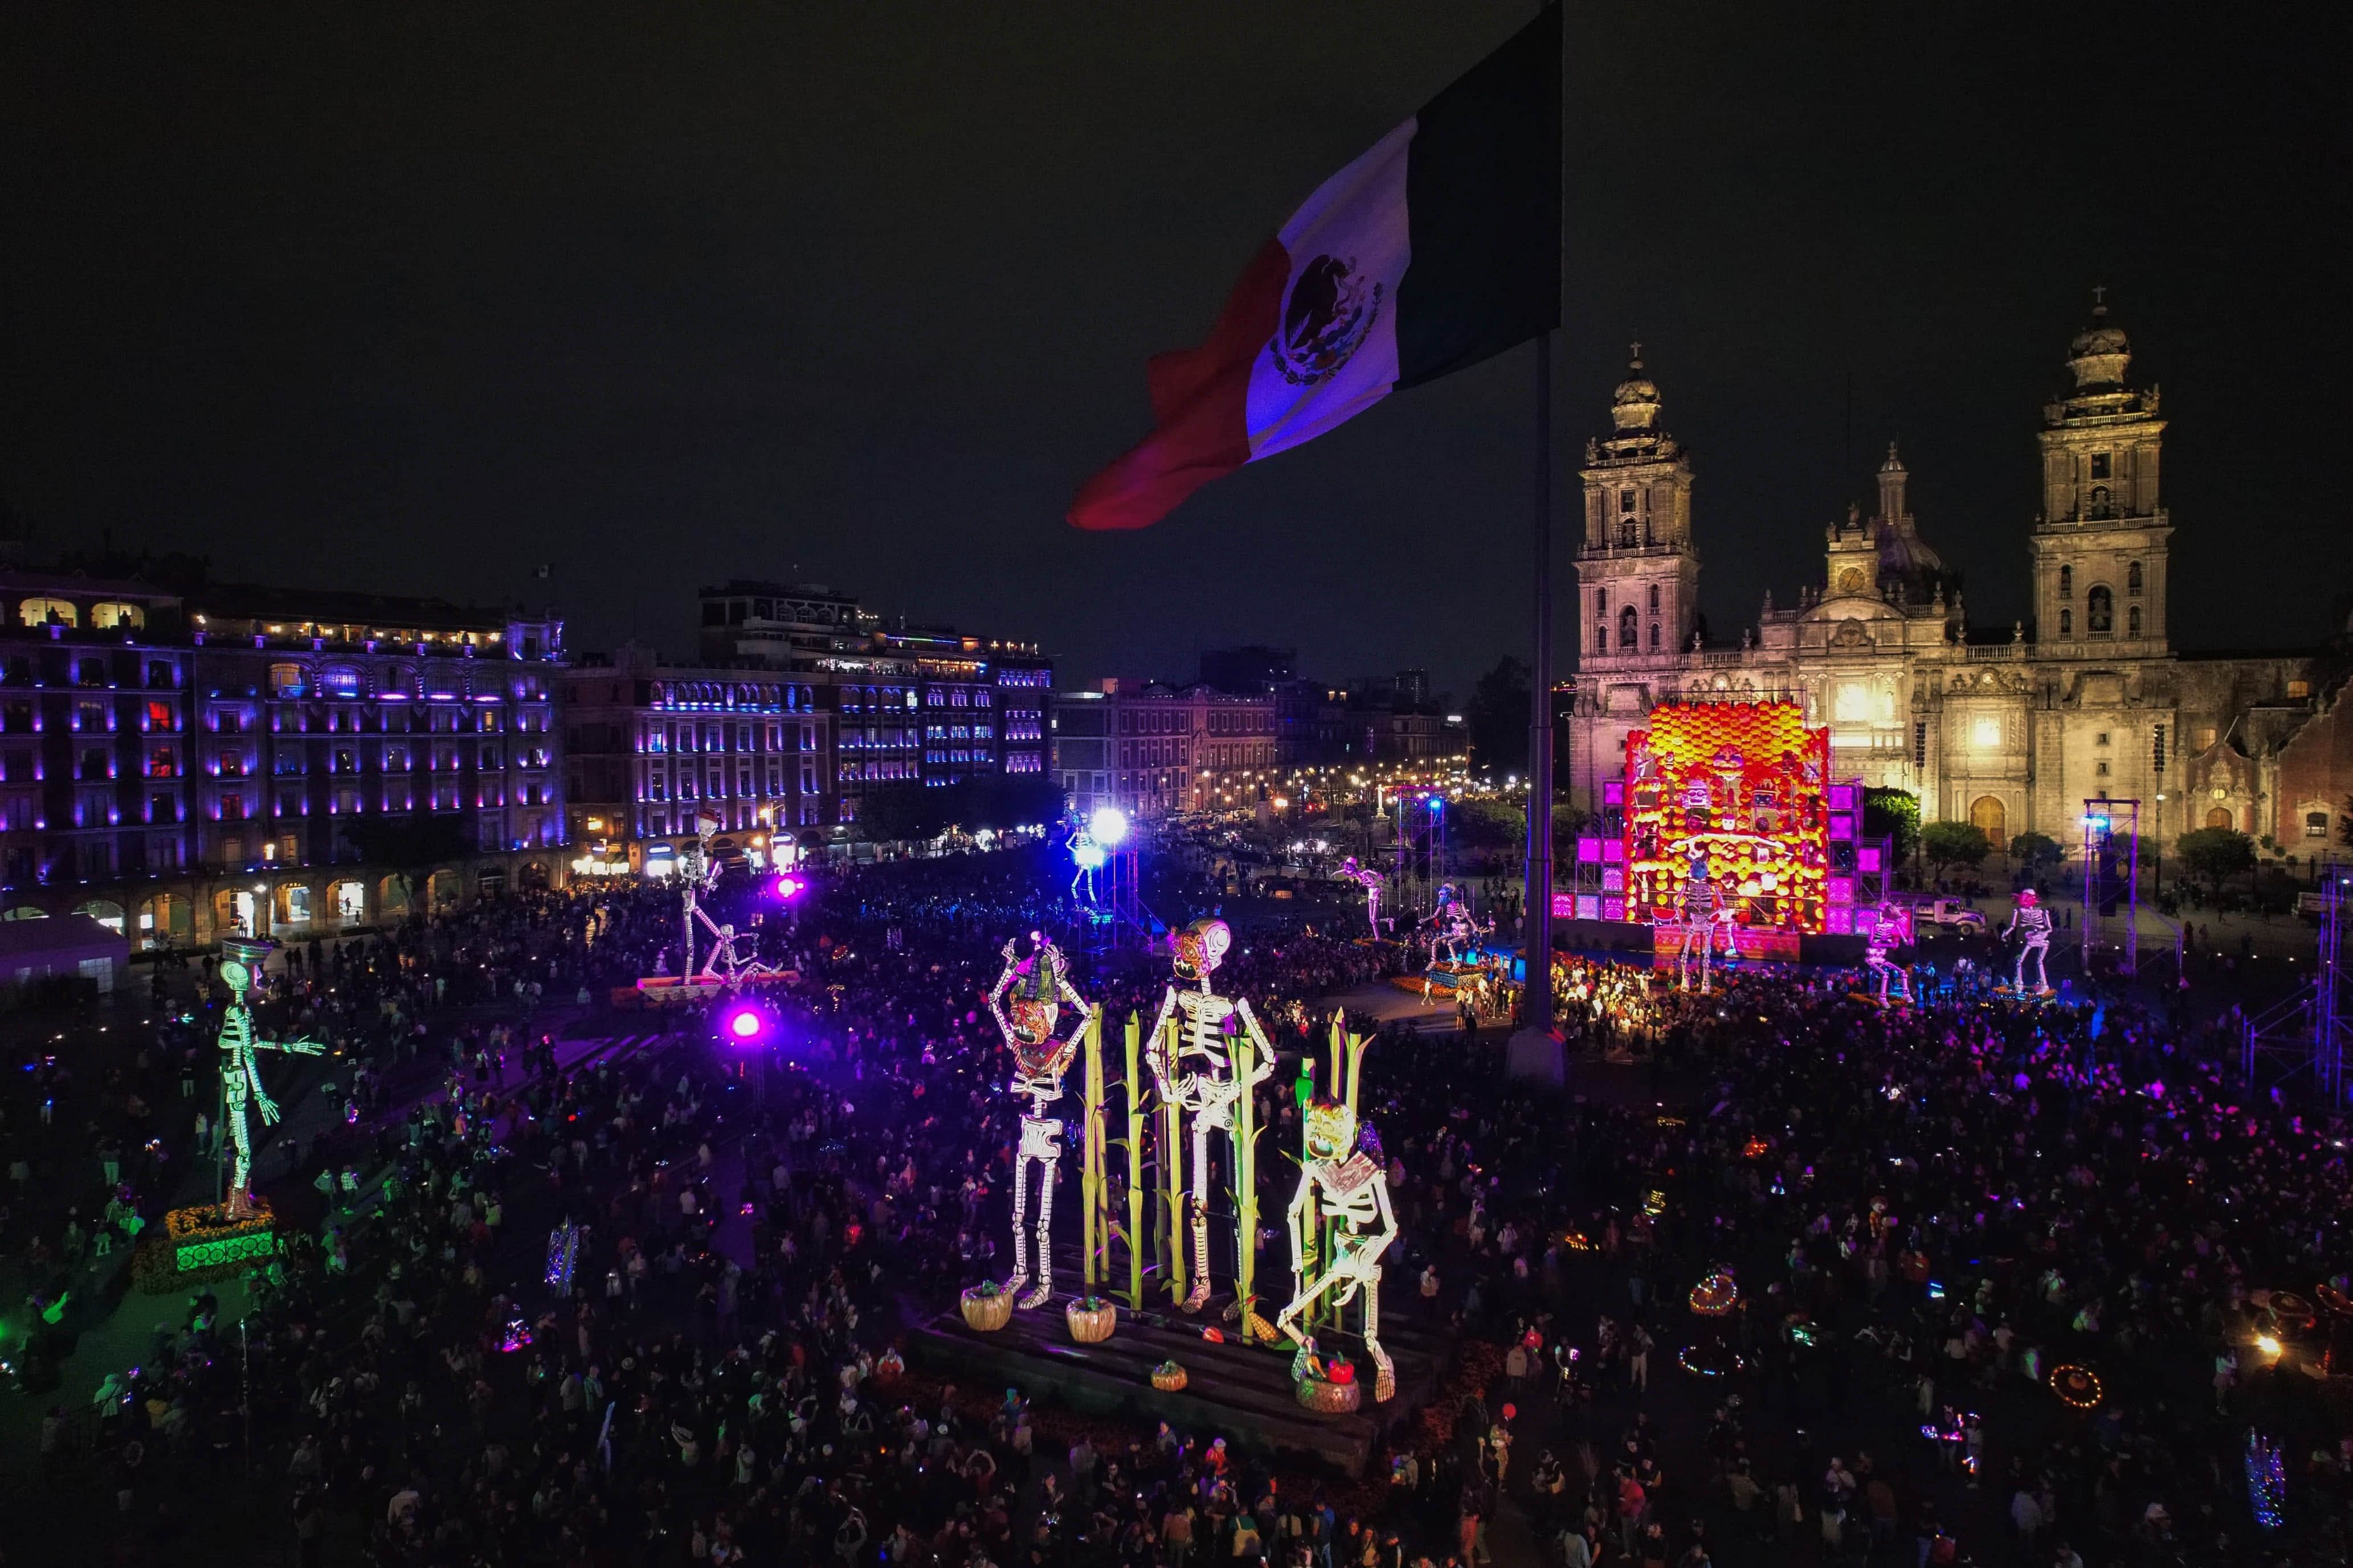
(1437, 249)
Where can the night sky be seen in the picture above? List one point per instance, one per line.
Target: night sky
(414, 299)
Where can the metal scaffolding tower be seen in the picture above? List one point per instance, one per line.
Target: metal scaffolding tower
(2307, 1029)
(2112, 880)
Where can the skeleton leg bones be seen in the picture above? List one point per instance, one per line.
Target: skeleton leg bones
(1198, 1205)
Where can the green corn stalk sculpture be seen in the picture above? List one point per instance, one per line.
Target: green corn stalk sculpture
(1092, 1211)
(1246, 1184)
(1134, 1168)
(1172, 1170)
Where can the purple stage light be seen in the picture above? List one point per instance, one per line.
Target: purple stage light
(744, 1025)
(788, 886)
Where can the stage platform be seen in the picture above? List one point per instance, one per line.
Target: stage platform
(1242, 1393)
(1442, 978)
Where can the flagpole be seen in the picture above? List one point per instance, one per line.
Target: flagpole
(1533, 1053)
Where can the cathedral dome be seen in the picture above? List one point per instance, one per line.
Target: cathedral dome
(1635, 406)
(2099, 353)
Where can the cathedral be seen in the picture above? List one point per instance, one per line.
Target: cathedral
(2013, 728)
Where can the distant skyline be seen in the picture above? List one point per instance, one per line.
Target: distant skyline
(414, 301)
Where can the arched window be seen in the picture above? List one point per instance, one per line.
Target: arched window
(2100, 505)
(2133, 579)
(2099, 611)
(1629, 628)
(48, 613)
(1601, 636)
(1654, 637)
(2066, 623)
(2066, 582)
(113, 613)
(2132, 621)
(289, 680)
(1629, 533)
(1654, 598)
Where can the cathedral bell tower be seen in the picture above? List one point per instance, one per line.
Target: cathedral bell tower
(1637, 572)
(2099, 548)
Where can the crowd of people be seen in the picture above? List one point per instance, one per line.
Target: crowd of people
(542, 1303)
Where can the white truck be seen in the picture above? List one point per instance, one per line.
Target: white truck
(1947, 914)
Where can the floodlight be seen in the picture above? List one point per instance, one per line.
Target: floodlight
(1108, 825)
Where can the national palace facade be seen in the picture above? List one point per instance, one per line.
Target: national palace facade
(2013, 728)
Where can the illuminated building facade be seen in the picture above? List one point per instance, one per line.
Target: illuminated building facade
(189, 765)
(2009, 728)
(1161, 749)
(649, 745)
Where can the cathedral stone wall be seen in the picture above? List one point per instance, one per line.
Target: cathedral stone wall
(2011, 728)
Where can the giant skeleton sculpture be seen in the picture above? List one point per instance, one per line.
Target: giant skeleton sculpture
(1027, 1004)
(1452, 929)
(241, 1067)
(1700, 906)
(1891, 929)
(1197, 1074)
(2030, 920)
(1344, 1184)
(1370, 880)
(698, 875)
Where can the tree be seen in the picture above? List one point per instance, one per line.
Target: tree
(2036, 851)
(902, 812)
(915, 813)
(1498, 717)
(1479, 822)
(2215, 855)
(1955, 843)
(408, 844)
(1892, 814)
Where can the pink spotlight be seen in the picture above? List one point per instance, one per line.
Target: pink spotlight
(744, 1024)
(788, 886)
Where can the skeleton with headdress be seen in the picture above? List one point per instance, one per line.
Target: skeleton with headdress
(1027, 1002)
(1196, 1072)
(1342, 1184)
(2030, 920)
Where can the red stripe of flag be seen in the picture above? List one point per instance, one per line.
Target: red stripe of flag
(1199, 409)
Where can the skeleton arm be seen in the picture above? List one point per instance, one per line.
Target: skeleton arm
(997, 994)
(1371, 1254)
(1155, 1054)
(1263, 1064)
(1296, 1217)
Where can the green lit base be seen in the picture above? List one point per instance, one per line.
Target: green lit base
(208, 1237)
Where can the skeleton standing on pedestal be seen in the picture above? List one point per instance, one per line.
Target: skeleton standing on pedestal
(1347, 1185)
(1892, 929)
(2031, 920)
(1197, 1075)
(1027, 1004)
(241, 1070)
(1698, 905)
